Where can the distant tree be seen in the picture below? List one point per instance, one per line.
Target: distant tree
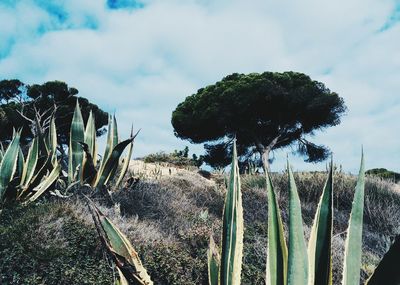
(265, 112)
(22, 105)
(384, 174)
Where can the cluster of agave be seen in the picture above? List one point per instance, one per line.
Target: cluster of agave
(291, 264)
(24, 179)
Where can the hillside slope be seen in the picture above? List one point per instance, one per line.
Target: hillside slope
(169, 221)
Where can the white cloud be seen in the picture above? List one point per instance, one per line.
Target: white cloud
(143, 62)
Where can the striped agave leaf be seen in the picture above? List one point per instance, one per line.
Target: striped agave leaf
(20, 163)
(109, 143)
(115, 141)
(277, 250)
(1, 152)
(52, 140)
(37, 178)
(214, 260)
(89, 172)
(115, 138)
(120, 249)
(352, 253)
(75, 152)
(127, 160)
(90, 137)
(233, 229)
(45, 183)
(297, 258)
(110, 165)
(30, 164)
(9, 164)
(319, 245)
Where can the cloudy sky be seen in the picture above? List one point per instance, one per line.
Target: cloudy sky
(141, 58)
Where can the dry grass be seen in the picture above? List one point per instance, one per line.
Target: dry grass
(169, 221)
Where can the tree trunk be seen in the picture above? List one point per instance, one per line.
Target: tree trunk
(265, 158)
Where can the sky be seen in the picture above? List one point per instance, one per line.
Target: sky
(140, 59)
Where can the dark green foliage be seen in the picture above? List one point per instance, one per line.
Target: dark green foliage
(47, 244)
(385, 174)
(17, 96)
(264, 111)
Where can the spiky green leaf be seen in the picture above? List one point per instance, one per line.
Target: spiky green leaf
(121, 250)
(277, 250)
(111, 163)
(45, 184)
(214, 260)
(9, 164)
(31, 162)
(352, 252)
(90, 137)
(89, 172)
(297, 257)
(125, 166)
(232, 232)
(109, 144)
(75, 152)
(52, 140)
(319, 245)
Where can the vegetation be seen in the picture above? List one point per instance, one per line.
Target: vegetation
(25, 179)
(30, 108)
(264, 112)
(48, 244)
(384, 174)
(286, 264)
(174, 251)
(169, 221)
(177, 158)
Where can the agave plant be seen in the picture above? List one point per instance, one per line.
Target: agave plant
(82, 164)
(314, 266)
(25, 179)
(225, 268)
(126, 259)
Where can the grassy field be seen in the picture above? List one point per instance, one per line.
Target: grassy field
(169, 221)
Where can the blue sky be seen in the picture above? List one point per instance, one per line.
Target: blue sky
(141, 58)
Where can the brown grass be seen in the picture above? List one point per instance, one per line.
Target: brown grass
(169, 221)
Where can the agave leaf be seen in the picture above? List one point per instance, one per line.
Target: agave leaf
(109, 143)
(297, 258)
(115, 141)
(75, 152)
(120, 249)
(232, 233)
(89, 172)
(20, 163)
(387, 272)
(9, 164)
(114, 132)
(90, 137)
(52, 138)
(214, 260)
(277, 250)
(125, 166)
(1, 152)
(31, 162)
(112, 163)
(352, 251)
(37, 178)
(45, 184)
(319, 245)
